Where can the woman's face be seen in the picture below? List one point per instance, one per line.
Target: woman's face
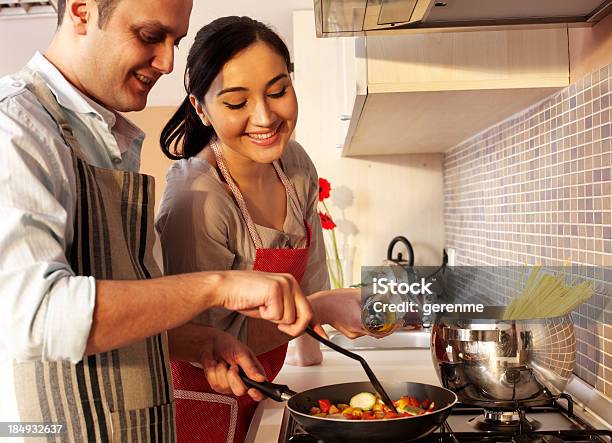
(252, 105)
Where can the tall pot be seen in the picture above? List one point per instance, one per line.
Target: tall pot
(490, 362)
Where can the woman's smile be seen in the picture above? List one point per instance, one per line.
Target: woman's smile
(264, 138)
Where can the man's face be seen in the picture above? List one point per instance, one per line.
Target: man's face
(122, 61)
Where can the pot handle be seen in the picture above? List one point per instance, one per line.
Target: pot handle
(276, 392)
(486, 335)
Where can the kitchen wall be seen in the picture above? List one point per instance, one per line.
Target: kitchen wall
(20, 38)
(537, 188)
(374, 198)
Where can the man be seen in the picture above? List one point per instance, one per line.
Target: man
(84, 312)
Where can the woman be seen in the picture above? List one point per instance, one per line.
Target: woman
(242, 196)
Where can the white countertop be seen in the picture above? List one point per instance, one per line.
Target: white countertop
(413, 365)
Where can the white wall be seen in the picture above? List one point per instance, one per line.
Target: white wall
(394, 195)
(19, 38)
(276, 13)
(391, 195)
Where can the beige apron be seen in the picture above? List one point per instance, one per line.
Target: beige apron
(125, 394)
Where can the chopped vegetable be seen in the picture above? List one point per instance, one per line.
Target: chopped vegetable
(412, 410)
(364, 401)
(408, 401)
(347, 411)
(336, 416)
(324, 405)
(367, 406)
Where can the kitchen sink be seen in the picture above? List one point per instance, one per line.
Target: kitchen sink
(398, 340)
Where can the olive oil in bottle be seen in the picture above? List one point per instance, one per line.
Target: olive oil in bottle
(377, 318)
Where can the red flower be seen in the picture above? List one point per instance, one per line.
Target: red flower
(326, 221)
(324, 189)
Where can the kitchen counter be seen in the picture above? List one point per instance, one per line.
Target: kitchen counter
(396, 365)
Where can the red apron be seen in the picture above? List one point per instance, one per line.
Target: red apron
(201, 414)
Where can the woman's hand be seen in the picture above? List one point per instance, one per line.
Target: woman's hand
(340, 308)
(220, 355)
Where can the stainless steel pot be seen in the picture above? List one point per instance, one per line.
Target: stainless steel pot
(504, 364)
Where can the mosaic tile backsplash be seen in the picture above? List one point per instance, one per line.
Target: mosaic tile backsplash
(537, 189)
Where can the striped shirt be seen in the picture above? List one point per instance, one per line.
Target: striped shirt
(46, 310)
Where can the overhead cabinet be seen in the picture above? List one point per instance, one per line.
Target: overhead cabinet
(425, 93)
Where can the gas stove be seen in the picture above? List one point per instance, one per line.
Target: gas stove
(556, 422)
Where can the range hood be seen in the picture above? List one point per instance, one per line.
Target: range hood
(361, 17)
(27, 8)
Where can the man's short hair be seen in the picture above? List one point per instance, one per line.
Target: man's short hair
(105, 10)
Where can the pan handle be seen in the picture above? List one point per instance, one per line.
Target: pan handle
(274, 391)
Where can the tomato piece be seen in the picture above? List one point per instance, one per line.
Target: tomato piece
(391, 414)
(324, 405)
(413, 402)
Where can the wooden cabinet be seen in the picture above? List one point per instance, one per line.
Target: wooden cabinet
(468, 61)
(429, 92)
(425, 93)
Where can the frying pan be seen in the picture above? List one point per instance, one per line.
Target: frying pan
(372, 431)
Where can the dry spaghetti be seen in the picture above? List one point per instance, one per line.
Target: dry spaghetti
(547, 295)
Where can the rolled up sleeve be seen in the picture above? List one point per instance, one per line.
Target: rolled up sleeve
(46, 310)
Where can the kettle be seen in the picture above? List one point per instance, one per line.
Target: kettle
(410, 275)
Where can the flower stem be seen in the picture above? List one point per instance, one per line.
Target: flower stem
(338, 277)
(338, 262)
(330, 269)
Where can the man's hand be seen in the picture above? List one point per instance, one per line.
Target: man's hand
(130, 310)
(340, 308)
(220, 360)
(220, 354)
(271, 296)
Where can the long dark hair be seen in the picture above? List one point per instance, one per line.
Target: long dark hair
(215, 44)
